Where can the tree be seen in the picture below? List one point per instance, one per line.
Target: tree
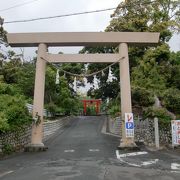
(173, 69)
(74, 68)
(20, 74)
(3, 37)
(63, 101)
(149, 73)
(149, 67)
(61, 98)
(171, 100)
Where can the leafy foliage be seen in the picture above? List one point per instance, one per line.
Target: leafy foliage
(113, 107)
(13, 112)
(3, 38)
(171, 100)
(18, 78)
(114, 110)
(4, 126)
(153, 70)
(8, 149)
(90, 111)
(61, 99)
(67, 100)
(142, 97)
(160, 113)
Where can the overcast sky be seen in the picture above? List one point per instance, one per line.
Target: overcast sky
(42, 8)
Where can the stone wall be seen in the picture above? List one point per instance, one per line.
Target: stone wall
(115, 125)
(144, 130)
(16, 140)
(51, 127)
(165, 133)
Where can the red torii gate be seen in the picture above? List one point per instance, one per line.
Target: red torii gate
(91, 101)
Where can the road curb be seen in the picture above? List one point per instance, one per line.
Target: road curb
(133, 148)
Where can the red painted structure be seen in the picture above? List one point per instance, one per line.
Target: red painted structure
(95, 102)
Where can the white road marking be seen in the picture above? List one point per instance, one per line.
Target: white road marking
(119, 157)
(69, 150)
(6, 173)
(175, 166)
(146, 163)
(93, 150)
(132, 154)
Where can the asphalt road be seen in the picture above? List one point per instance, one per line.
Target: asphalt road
(83, 152)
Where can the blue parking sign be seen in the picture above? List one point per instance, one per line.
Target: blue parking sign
(129, 125)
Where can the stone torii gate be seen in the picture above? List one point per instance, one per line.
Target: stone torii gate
(44, 40)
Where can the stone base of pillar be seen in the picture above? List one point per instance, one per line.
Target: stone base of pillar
(35, 148)
(128, 146)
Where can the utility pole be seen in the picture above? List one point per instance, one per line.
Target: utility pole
(1, 21)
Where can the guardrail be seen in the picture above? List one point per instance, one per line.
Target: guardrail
(45, 113)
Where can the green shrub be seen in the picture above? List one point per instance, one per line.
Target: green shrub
(91, 110)
(177, 116)
(13, 112)
(171, 100)
(114, 110)
(142, 97)
(160, 113)
(51, 107)
(7, 149)
(4, 126)
(8, 89)
(18, 115)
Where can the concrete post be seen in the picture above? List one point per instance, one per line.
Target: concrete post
(126, 106)
(156, 129)
(38, 107)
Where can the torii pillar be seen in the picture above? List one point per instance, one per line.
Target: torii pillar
(38, 108)
(38, 104)
(126, 105)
